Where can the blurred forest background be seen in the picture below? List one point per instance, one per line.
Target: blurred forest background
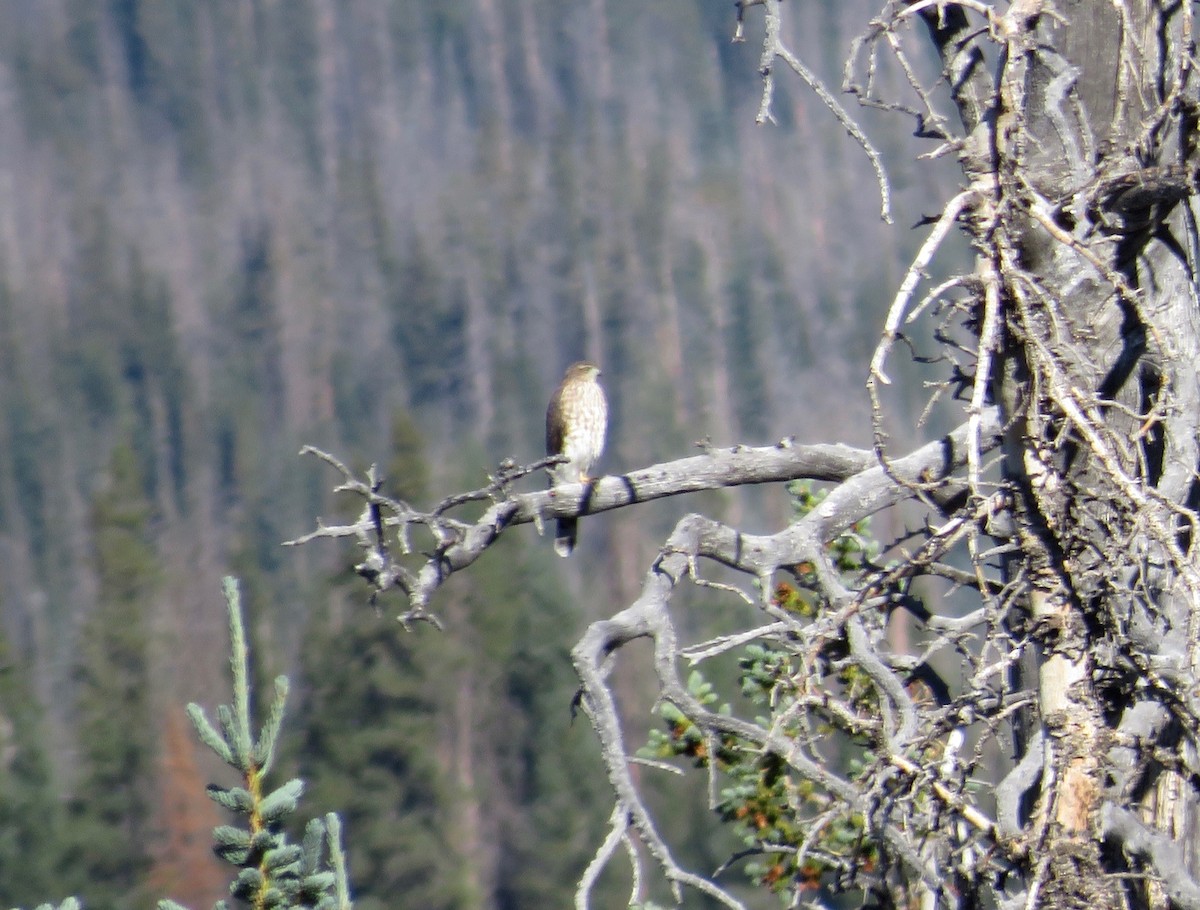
(234, 227)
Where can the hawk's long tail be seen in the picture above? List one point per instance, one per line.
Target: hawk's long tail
(565, 536)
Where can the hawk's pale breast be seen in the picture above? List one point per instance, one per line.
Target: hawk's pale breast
(585, 422)
(576, 423)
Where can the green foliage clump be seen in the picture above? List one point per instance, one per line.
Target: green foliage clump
(795, 841)
(771, 810)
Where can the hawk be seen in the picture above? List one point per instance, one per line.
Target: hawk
(576, 421)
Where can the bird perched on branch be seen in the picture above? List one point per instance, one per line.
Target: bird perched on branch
(576, 422)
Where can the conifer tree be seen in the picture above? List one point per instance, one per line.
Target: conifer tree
(110, 812)
(370, 721)
(452, 757)
(368, 746)
(30, 817)
(273, 873)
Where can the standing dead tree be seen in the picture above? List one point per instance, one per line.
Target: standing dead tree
(1033, 743)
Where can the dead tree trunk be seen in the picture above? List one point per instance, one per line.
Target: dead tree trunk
(1079, 143)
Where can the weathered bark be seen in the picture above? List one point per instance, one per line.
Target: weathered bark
(1080, 170)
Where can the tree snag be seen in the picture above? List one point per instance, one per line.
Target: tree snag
(1031, 739)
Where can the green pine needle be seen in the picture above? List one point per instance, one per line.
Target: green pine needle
(314, 839)
(238, 744)
(282, 860)
(247, 885)
(265, 840)
(239, 729)
(208, 734)
(281, 802)
(333, 826)
(235, 799)
(264, 749)
(315, 885)
(228, 835)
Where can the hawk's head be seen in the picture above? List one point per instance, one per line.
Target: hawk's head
(582, 370)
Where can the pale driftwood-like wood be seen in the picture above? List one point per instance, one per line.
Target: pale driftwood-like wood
(1048, 556)
(457, 543)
